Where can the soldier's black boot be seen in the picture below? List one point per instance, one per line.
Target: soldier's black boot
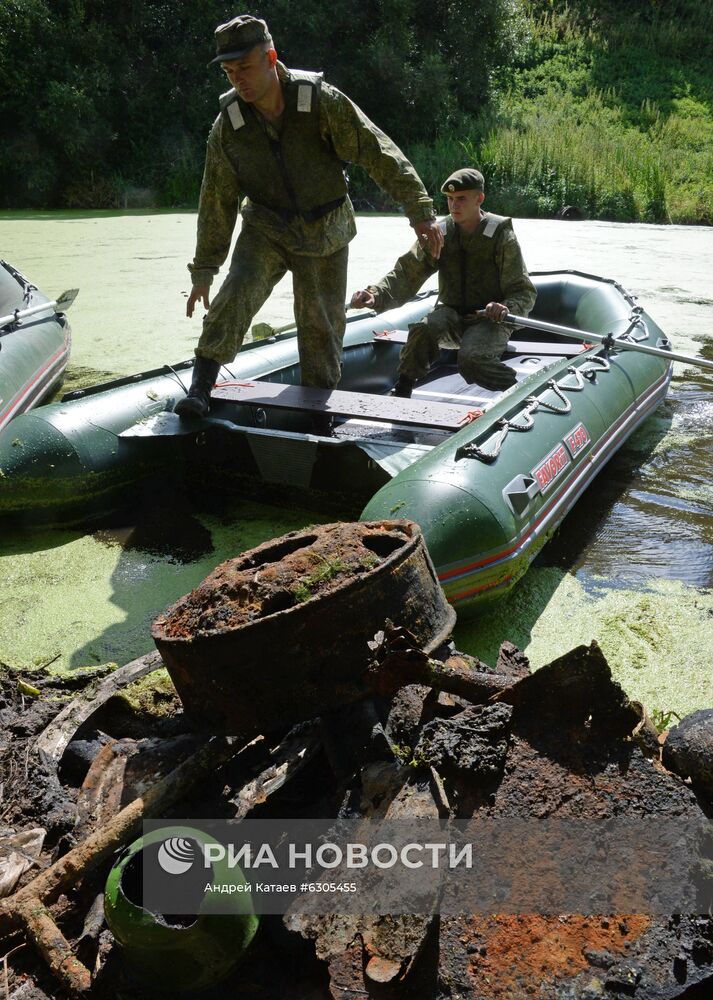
(403, 388)
(197, 402)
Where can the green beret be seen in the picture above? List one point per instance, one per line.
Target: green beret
(236, 38)
(465, 179)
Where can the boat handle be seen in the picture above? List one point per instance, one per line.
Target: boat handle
(594, 366)
(557, 390)
(525, 416)
(571, 370)
(475, 451)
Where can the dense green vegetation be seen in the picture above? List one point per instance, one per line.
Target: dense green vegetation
(604, 106)
(610, 110)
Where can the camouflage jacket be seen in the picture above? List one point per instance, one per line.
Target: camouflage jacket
(352, 137)
(484, 266)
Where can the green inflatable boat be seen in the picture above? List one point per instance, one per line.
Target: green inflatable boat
(34, 344)
(487, 475)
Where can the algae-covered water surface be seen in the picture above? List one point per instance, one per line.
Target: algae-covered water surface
(632, 565)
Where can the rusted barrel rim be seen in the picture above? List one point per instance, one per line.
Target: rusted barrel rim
(412, 536)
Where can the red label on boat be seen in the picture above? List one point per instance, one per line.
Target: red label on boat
(550, 468)
(577, 439)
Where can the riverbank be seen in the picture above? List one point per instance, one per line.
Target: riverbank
(605, 110)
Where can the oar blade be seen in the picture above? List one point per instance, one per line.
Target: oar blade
(66, 299)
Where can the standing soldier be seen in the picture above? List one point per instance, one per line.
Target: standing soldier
(281, 141)
(480, 268)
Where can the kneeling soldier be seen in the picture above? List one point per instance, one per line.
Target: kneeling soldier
(480, 268)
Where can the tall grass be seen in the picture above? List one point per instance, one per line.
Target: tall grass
(568, 153)
(609, 111)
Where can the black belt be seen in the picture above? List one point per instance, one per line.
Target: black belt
(312, 214)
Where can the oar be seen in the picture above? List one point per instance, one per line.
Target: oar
(609, 341)
(261, 331)
(60, 305)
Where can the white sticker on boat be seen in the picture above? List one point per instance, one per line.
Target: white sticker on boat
(235, 115)
(577, 439)
(304, 97)
(551, 467)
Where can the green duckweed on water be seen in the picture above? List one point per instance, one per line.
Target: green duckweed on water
(72, 600)
(657, 639)
(94, 599)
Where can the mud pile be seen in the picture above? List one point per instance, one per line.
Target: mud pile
(564, 742)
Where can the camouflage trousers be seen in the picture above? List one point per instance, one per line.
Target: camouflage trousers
(480, 346)
(319, 285)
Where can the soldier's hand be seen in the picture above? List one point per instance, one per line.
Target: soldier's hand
(363, 299)
(198, 293)
(430, 237)
(496, 311)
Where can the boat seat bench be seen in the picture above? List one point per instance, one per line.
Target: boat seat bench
(339, 403)
(564, 350)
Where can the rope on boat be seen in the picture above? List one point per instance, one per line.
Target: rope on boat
(595, 365)
(635, 321)
(176, 376)
(524, 419)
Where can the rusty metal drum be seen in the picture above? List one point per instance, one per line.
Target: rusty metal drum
(280, 633)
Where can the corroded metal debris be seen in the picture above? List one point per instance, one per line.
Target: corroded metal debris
(437, 735)
(562, 742)
(280, 634)
(688, 750)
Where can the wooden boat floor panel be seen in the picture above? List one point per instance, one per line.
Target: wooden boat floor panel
(388, 434)
(338, 403)
(444, 385)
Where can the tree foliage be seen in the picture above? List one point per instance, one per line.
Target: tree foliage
(101, 96)
(604, 104)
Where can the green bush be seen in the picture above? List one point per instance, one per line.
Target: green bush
(638, 151)
(606, 105)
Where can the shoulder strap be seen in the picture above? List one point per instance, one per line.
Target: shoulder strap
(229, 103)
(308, 88)
(493, 224)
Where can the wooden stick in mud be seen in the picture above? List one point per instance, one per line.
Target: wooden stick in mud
(53, 946)
(27, 907)
(400, 662)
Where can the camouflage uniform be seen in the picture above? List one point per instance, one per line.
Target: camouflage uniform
(296, 215)
(473, 270)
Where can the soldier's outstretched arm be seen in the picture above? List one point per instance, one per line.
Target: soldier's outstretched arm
(403, 281)
(217, 212)
(356, 139)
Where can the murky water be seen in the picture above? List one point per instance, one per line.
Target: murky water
(631, 567)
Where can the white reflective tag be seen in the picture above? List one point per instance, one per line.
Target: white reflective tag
(236, 115)
(490, 227)
(304, 97)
